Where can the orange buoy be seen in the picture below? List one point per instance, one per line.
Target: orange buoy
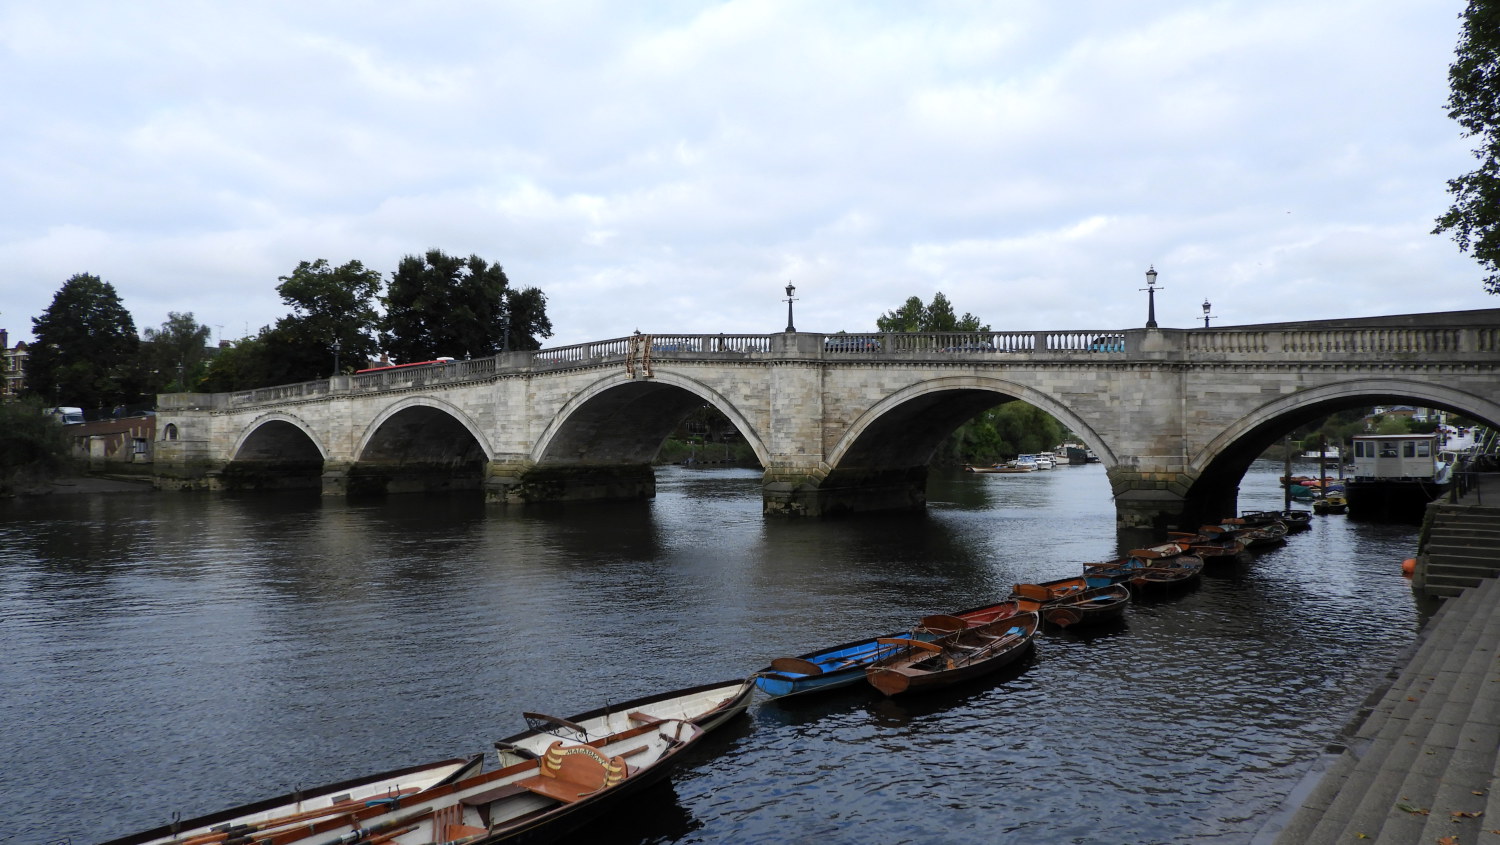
(1408, 566)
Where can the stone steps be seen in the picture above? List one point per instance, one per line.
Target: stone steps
(1429, 742)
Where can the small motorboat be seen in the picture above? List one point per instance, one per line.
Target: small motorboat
(1330, 505)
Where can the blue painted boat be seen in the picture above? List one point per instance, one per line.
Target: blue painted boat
(826, 669)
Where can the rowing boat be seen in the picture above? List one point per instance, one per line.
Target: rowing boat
(539, 800)
(822, 670)
(918, 666)
(707, 706)
(1075, 602)
(334, 801)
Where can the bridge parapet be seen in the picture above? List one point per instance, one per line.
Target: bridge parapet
(1343, 343)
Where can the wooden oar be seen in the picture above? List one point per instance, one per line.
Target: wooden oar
(247, 828)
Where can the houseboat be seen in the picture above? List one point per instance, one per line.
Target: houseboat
(1395, 476)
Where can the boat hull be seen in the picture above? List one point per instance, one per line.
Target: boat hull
(357, 790)
(823, 670)
(708, 706)
(962, 656)
(1391, 500)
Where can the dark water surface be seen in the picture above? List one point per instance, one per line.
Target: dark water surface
(184, 653)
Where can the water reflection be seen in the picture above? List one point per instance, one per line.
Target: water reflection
(153, 638)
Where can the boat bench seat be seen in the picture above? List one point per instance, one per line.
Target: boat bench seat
(574, 772)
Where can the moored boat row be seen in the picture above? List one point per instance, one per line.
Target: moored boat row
(562, 772)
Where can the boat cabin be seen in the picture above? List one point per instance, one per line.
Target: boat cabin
(1393, 456)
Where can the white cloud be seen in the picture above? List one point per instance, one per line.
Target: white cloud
(670, 167)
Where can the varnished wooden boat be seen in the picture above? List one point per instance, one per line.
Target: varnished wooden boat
(1168, 574)
(339, 800)
(706, 706)
(1264, 536)
(1075, 602)
(1210, 543)
(918, 666)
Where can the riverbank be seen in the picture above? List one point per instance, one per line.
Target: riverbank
(81, 484)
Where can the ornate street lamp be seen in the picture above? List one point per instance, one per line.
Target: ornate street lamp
(791, 295)
(1151, 290)
(1206, 316)
(336, 348)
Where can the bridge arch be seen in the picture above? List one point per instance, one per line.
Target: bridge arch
(275, 435)
(275, 451)
(577, 432)
(1222, 461)
(370, 439)
(1315, 402)
(958, 399)
(418, 444)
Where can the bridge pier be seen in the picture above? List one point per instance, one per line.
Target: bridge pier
(786, 493)
(1154, 499)
(518, 483)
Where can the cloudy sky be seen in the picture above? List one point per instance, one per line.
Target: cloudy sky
(670, 166)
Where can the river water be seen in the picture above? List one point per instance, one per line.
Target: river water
(185, 652)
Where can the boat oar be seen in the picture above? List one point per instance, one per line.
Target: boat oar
(379, 827)
(266, 825)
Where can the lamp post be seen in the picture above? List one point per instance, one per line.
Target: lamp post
(1151, 290)
(791, 295)
(1206, 316)
(336, 348)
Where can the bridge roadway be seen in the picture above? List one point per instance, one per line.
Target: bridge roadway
(839, 422)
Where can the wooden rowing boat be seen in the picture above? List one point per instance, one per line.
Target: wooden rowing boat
(919, 666)
(333, 801)
(706, 706)
(1075, 602)
(1264, 536)
(1168, 574)
(531, 801)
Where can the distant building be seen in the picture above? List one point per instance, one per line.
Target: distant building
(12, 367)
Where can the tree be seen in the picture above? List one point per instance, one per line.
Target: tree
(329, 305)
(439, 305)
(913, 316)
(86, 347)
(176, 354)
(1006, 431)
(1474, 101)
(243, 365)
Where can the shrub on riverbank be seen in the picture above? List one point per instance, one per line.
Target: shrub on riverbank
(33, 446)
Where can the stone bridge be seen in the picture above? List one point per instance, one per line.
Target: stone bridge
(840, 423)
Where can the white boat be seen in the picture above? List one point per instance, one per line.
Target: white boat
(336, 801)
(706, 706)
(553, 776)
(1046, 460)
(1396, 475)
(1024, 463)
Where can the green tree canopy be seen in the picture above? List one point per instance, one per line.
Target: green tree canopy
(329, 305)
(439, 304)
(1474, 101)
(179, 349)
(914, 316)
(85, 349)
